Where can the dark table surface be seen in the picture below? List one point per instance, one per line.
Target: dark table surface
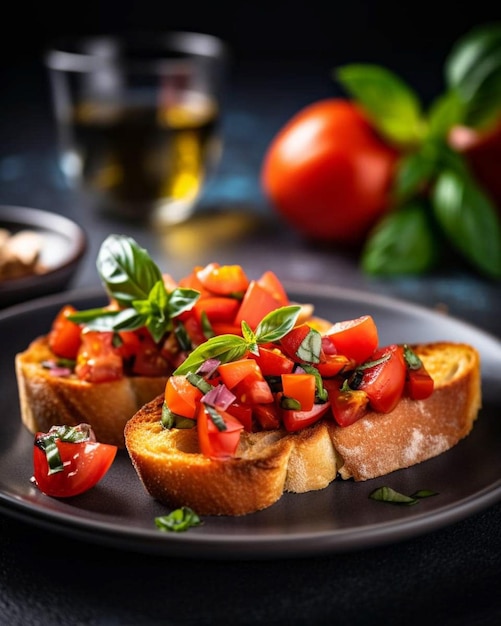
(451, 575)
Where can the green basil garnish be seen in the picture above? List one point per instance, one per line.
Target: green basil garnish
(132, 278)
(387, 494)
(178, 520)
(226, 348)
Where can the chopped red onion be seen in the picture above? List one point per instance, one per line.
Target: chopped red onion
(220, 397)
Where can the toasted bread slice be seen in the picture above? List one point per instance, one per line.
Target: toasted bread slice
(415, 430)
(46, 400)
(268, 463)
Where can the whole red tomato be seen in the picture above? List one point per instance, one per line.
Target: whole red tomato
(328, 173)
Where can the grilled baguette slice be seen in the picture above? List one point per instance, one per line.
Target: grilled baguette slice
(269, 463)
(46, 400)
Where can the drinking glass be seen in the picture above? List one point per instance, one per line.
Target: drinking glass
(138, 119)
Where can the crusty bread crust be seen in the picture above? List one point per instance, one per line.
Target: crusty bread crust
(268, 463)
(46, 400)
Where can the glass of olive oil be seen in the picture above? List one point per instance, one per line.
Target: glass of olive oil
(138, 119)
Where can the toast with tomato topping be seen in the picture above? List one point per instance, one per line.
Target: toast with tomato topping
(102, 365)
(267, 463)
(47, 398)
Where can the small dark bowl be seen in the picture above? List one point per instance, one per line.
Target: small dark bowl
(64, 244)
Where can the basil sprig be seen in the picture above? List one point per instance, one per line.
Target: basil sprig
(226, 348)
(435, 197)
(132, 278)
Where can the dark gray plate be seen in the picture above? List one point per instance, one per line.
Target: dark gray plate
(339, 518)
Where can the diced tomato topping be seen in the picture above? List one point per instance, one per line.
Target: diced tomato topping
(181, 396)
(272, 362)
(384, 383)
(223, 280)
(252, 391)
(332, 364)
(129, 344)
(243, 413)
(226, 328)
(65, 336)
(267, 416)
(271, 283)
(234, 372)
(256, 304)
(297, 420)
(347, 406)
(98, 360)
(217, 308)
(356, 339)
(215, 443)
(300, 387)
(419, 384)
(149, 360)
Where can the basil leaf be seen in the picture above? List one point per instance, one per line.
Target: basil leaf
(310, 348)
(387, 494)
(321, 394)
(469, 219)
(178, 520)
(103, 316)
(127, 271)
(126, 319)
(216, 418)
(225, 348)
(277, 324)
(473, 70)
(445, 112)
(181, 299)
(392, 106)
(403, 242)
(424, 493)
(414, 171)
(412, 360)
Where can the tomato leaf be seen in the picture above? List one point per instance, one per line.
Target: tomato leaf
(392, 106)
(403, 242)
(469, 219)
(473, 71)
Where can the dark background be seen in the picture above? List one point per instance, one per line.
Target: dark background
(403, 35)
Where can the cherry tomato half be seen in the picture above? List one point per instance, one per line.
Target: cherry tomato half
(328, 173)
(84, 465)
